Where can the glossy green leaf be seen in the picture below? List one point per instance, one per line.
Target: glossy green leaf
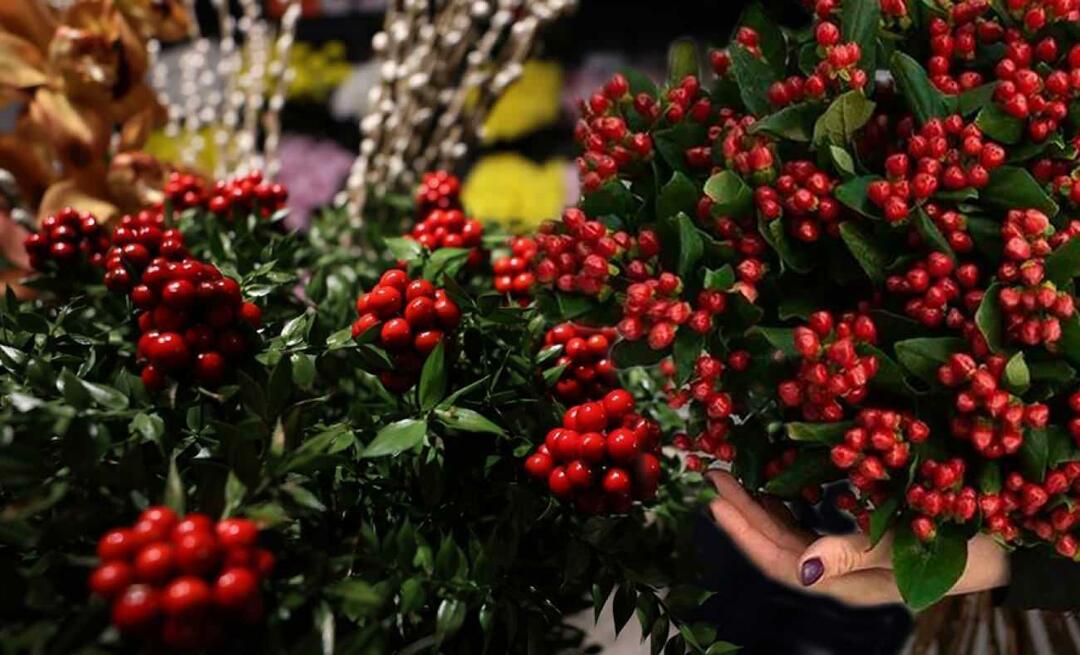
(925, 572)
(396, 438)
(922, 97)
(844, 117)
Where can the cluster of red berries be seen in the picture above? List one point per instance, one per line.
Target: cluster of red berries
(895, 11)
(750, 155)
(836, 72)
(950, 155)
(513, 272)
(803, 196)
(954, 41)
(704, 388)
(180, 581)
(604, 457)
(185, 190)
(1033, 307)
(989, 417)
(247, 193)
(450, 228)
(575, 254)
(64, 237)
(589, 373)
(830, 368)
(653, 308)
(1034, 506)
(941, 291)
(743, 236)
(953, 226)
(1027, 94)
(1074, 422)
(414, 316)
(139, 240)
(192, 319)
(608, 144)
(940, 495)
(881, 439)
(437, 190)
(241, 194)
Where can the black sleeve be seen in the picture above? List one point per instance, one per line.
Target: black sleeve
(1041, 579)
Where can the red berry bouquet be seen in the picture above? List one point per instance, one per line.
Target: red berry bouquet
(837, 258)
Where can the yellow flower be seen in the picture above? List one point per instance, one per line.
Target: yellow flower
(167, 148)
(317, 71)
(514, 191)
(528, 104)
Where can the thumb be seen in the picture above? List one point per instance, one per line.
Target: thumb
(831, 557)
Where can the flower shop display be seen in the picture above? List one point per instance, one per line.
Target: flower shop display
(838, 260)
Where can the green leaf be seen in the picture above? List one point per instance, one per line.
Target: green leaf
(622, 606)
(924, 356)
(303, 369)
(403, 248)
(771, 39)
(826, 433)
(853, 195)
(988, 318)
(865, 250)
(925, 572)
(467, 420)
(432, 387)
(882, 518)
(730, 195)
(449, 618)
(659, 634)
(925, 100)
(842, 161)
(930, 234)
(691, 247)
(174, 488)
(396, 438)
(975, 99)
(792, 255)
(683, 60)
(794, 123)
(686, 598)
(1014, 188)
(989, 481)
(341, 339)
(612, 199)
(628, 354)
(1063, 264)
(783, 339)
(720, 279)
(754, 77)
(811, 467)
(859, 24)
(680, 194)
(687, 348)
(445, 261)
(999, 125)
(844, 117)
(1035, 453)
(671, 143)
(552, 375)
(1017, 375)
(1070, 339)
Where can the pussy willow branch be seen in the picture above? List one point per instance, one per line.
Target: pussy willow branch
(442, 66)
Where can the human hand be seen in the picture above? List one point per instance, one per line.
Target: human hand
(843, 567)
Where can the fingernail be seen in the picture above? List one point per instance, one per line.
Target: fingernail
(811, 571)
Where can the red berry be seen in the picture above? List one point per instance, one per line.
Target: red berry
(155, 563)
(196, 552)
(235, 588)
(137, 609)
(110, 579)
(117, 545)
(237, 532)
(186, 595)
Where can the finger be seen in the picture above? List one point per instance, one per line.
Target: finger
(773, 560)
(780, 513)
(831, 557)
(732, 492)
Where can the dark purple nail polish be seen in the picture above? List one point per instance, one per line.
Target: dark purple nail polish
(811, 572)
